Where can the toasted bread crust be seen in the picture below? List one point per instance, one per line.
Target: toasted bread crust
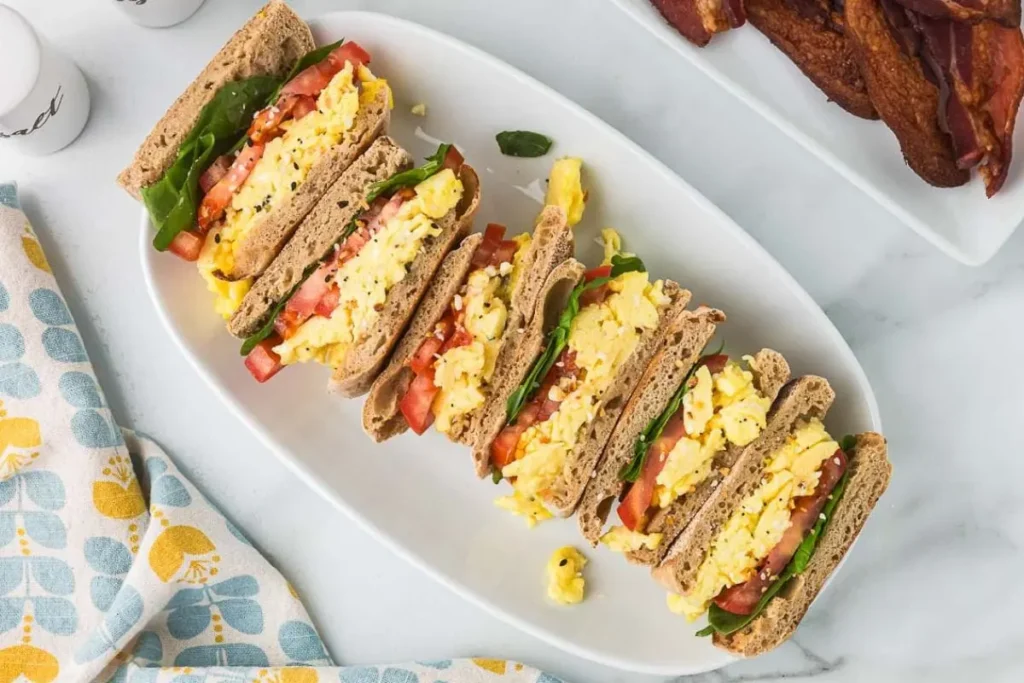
(269, 235)
(552, 243)
(318, 233)
(905, 99)
(807, 396)
(870, 472)
(666, 372)
(818, 49)
(771, 372)
(268, 44)
(365, 359)
(511, 368)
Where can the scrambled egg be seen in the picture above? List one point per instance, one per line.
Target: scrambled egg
(524, 506)
(565, 188)
(621, 540)
(365, 280)
(419, 109)
(462, 372)
(603, 336)
(758, 524)
(565, 576)
(286, 162)
(718, 410)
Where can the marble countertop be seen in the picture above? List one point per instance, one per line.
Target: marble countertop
(923, 597)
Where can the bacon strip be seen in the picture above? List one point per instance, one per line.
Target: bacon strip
(698, 21)
(981, 68)
(743, 597)
(1005, 12)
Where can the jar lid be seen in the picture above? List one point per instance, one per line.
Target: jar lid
(20, 56)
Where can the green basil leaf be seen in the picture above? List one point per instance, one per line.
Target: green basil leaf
(309, 59)
(412, 177)
(173, 200)
(523, 143)
(558, 338)
(268, 327)
(724, 622)
(496, 475)
(848, 443)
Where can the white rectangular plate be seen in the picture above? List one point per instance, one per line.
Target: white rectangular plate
(419, 494)
(960, 221)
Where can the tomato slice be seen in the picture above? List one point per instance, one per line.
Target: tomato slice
(328, 302)
(415, 405)
(262, 362)
(314, 78)
(219, 196)
(715, 363)
(217, 170)
(304, 105)
(600, 271)
(493, 236)
(424, 357)
(186, 245)
(635, 507)
(453, 159)
(505, 252)
(743, 598)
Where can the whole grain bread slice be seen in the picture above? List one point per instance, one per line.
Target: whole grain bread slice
(870, 472)
(269, 44)
(318, 233)
(660, 381)
(367, 357)
(265, 239)
(382, 418)
(582, 463)
(804, 397)
(771, 372)
(528, 343)
(552, 243)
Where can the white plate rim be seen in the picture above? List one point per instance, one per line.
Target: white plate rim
(807, 142)
(312, 480)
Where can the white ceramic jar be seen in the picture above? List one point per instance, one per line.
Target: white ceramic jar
(158, 13)
(44, 101)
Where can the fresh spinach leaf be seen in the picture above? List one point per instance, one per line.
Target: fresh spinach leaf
(173, 200)
(558, 338)
(523, 143)
(632, 471)
(268, 327)
(496, 475)
(309, 59)
(412, 177)
(724, 622)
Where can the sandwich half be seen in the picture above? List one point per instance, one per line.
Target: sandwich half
(690, 422)
(484, 293)
(383, 243)
(576, 366)
(240, 159)
(756, 555)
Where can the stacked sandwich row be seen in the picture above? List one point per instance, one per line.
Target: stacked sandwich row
(322, 242)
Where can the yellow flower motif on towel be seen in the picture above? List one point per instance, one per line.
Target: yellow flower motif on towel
(183, 553)
(495, 666)
(35, 664)
(18, 435)
(34, 252)
(291, 674)
(121, 498)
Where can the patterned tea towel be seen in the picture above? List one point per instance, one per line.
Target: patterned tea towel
(97, 585)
